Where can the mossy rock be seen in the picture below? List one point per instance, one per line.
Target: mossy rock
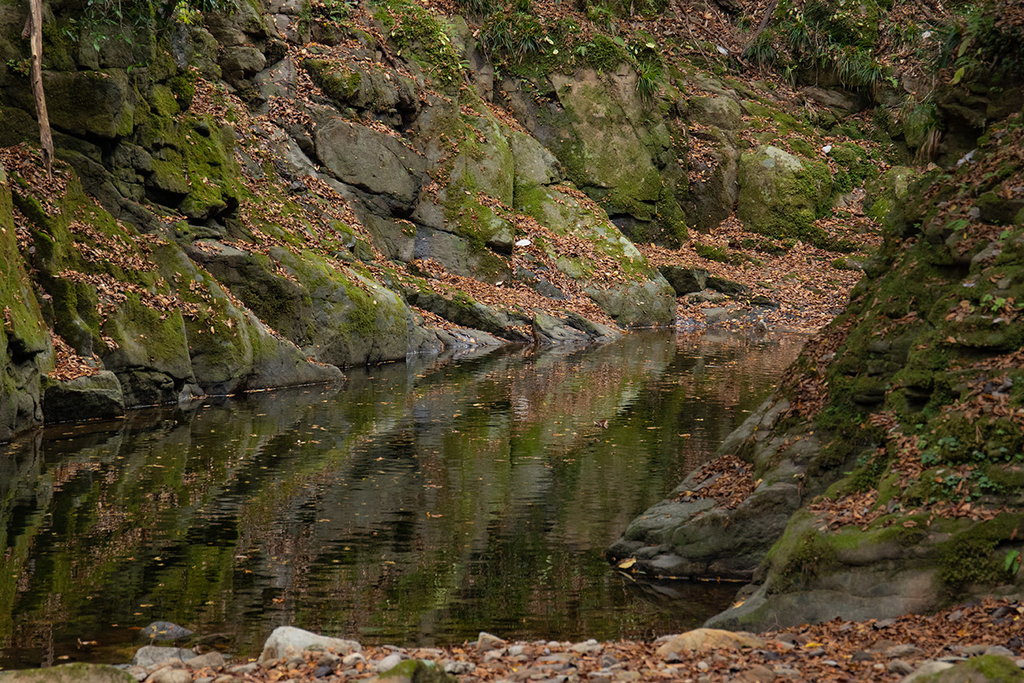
(889, 188)
(782, 195)
(25, 351)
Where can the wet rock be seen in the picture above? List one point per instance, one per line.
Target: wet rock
(288, 641)
(98, 396)
(152, 654)
(706, 638)
(548, 331)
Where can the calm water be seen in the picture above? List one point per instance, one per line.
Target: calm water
(417, 504)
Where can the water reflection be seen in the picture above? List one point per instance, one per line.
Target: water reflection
(416, 504)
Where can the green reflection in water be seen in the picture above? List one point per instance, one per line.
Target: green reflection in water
(417, 503)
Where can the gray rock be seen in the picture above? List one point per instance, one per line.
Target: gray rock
(370, 160)
(684, 280)
(98, 396)
(926, 669)
(548, 330)
(211, 660)
(170, 675)
(389, 662)
(486, 642)
(898, 666)
(714, 316)
(904, 650)
(288, 641)
(149, 655)
(720, 284)
(69, 673)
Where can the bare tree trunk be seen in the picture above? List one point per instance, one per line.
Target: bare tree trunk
(34, 31)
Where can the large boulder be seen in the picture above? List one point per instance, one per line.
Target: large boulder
(781, 195)
(83, 398)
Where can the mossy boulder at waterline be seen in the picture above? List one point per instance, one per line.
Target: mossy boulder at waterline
(25, 351)
(781, 195)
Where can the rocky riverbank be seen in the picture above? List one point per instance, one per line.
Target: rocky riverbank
(980, 642)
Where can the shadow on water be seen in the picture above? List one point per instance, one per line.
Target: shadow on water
(417, 503)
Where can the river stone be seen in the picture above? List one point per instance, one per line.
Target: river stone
(288, 641)
(211, 660)
(149, 655)
(170, 675)
(161, 631)
(69, 673)
(415, 671)
(98, 396)
(486, 642)
(706, 638)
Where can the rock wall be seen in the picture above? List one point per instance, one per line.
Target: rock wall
(885, 476)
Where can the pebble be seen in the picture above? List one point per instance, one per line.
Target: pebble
(588, 647)
(352, 660)
(244, 668)
(702, 665)
(516, 650)
(607, 661)
(1000, 650)
(861, 657)
(493, 655)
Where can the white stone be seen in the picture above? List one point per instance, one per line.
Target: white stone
(288, 641)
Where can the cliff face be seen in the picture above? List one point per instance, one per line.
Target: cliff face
(887, 474)
(256, 195)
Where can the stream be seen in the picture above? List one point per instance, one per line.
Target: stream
(415, 504)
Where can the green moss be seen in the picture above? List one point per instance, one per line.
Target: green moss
(423, 36)
(604, 54)
(338, 82)
(967, 561)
